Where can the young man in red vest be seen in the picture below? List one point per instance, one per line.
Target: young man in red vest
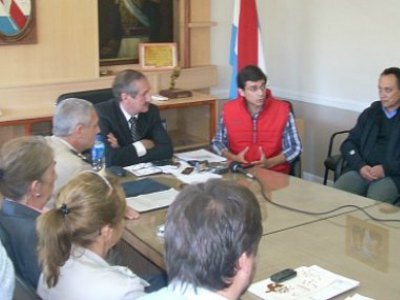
(256, 128)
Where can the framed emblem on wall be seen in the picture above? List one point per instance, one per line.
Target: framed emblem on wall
(17, 22)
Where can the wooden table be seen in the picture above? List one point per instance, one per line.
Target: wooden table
(351, 245)
(283, 189)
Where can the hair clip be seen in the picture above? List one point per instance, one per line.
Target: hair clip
(64, 209)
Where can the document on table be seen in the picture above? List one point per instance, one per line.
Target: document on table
(311, 283)
(152, 201)
(200, 155)
(143, 169)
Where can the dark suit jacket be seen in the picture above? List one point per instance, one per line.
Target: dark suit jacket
(149, 126)
(363, 137)
(19, 221)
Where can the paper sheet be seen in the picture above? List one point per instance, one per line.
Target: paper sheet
(152, 201)
(200, 155)
(311, 283)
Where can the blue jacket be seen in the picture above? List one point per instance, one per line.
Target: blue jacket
(19, 221)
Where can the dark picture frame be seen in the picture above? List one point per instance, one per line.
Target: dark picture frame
(123, 25)
(18, 22)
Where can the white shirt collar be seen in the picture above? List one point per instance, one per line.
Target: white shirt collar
(125, 113)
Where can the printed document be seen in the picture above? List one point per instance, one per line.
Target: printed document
(311, 283)
(152, 201)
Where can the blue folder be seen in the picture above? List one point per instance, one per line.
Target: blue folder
(143, 186)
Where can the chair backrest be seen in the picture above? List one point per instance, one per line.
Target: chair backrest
(93, 96)
(334, 161)
(295, 166)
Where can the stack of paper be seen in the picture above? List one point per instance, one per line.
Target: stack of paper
(311, 283)
(152, 201)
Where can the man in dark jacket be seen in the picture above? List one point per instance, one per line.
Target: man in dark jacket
(372, 150)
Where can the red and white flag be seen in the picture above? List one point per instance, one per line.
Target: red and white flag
(246, 47)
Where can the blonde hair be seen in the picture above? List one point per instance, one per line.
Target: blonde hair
(22, 161)
(83, 206)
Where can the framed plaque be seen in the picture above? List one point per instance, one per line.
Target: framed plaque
(157, 55)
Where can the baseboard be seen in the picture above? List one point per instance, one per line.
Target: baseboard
(315, 178)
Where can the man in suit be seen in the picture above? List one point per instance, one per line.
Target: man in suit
(211, 238)
(372, 149)
(131, 125)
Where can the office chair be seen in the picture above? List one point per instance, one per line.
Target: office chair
(93, 96)
(295, 165)
(334, 162)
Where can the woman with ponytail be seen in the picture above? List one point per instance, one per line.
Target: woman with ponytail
(75, 237)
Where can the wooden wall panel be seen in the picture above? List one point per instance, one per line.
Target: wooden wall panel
(66, 47)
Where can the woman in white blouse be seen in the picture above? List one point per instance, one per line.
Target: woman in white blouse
(74, 239)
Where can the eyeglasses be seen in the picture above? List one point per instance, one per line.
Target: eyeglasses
(255, 88)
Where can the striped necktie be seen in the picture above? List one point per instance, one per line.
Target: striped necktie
(134, 133)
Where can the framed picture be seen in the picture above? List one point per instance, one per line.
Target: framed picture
(367, 243)
(17, 22)
(158, 55)
(124, 24)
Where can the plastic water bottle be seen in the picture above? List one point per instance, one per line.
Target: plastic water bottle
(98, 154)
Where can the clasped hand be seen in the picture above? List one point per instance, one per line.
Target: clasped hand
(372, 173)
(264, 161)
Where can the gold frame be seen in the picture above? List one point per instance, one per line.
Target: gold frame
(158, 56)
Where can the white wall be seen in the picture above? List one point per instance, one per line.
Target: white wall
(327, 52)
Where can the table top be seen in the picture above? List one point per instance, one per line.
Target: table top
(351, 245)
(280, 188)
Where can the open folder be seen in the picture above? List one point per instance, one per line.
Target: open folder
(148, 194)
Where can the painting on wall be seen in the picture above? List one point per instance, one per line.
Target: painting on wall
(17, 22)
(124, 24)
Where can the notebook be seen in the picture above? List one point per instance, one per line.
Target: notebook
(143, 186)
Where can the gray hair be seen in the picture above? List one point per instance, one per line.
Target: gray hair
(124, 82)
(69, 113)
(22, 161)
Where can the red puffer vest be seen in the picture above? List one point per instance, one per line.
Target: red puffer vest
(267, 132)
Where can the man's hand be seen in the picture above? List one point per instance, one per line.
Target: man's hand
(237, 157)
(378, 171)
(131, 214)
(148, 144)
(367, 173)
(263, 159)
(271, 161)
(112, 140)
